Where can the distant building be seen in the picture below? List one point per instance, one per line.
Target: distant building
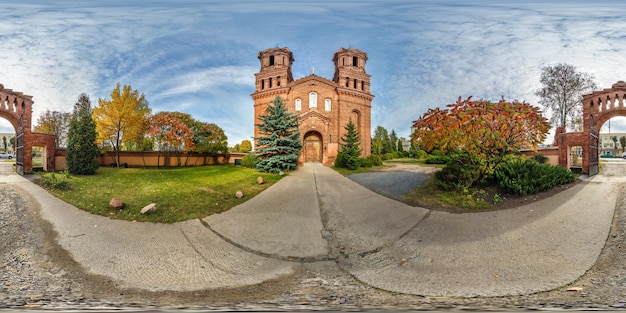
(9, 147)
(607, 145)
(324, 106)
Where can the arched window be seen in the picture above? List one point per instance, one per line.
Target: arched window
(312, 100)
(327, 105)
(298, 104)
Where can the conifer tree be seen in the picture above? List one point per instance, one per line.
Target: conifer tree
(350, 152)
(279, 146)
(82, 151)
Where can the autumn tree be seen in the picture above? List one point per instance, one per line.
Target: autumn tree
(170, 133)
(246, 146)
(481, 128)
(55, 123)
(209, 139)
(82, 150)
(122, 120)
(279, 146)
(350, 151)
(562, 91)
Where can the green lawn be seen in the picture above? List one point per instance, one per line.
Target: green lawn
(181, 193)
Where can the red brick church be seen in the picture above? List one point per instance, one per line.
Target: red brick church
(325, 106)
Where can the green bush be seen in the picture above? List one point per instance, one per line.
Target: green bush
(387, 156)
(461, 172)
(437, 159)
(523, 177)
(249, 160)
(364, 162)
(375, 160)
(344, 160)
(52, 182)
(421, 154)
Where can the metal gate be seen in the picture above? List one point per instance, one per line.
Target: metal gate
(19, 146)
(592, 151)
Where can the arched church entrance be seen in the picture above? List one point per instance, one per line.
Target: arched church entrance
(313, 147)
(598, 107)
(17, 108)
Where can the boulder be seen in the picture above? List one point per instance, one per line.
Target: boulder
(152, 207)
(239, 194)
(260, 180)
(116, 203)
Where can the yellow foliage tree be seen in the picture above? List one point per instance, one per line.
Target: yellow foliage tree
(123, 119)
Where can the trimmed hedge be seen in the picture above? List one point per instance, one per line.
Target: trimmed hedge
(523, 177)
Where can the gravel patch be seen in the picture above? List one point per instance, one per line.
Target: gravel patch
(390, 184)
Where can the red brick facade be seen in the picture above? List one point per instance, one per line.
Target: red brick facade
(598, 107)
(325, 106)
(17, 108)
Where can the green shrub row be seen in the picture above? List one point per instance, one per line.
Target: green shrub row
(437, 159)
(462, 170)
(524, 177)
(371, 160)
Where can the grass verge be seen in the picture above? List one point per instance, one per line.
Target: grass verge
(180, 193)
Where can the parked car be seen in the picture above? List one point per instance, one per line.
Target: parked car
(624, 155)
(5, 155)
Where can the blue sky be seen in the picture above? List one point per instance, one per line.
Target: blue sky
(200, 57)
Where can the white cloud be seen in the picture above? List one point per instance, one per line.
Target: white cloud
(200, 57)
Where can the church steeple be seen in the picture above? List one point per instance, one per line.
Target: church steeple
(275, 69)
(350, 69)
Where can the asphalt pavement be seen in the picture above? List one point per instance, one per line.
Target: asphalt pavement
(315, 214)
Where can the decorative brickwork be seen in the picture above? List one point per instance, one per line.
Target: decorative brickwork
(598, 107)
(325, 107)
(17, 108)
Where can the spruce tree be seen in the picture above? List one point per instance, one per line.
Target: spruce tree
(279, 146)
(349, 153)
(82, 151)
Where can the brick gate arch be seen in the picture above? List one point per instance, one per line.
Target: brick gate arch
(598, 107)
(17, 108)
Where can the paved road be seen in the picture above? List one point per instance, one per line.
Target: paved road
(315, 214)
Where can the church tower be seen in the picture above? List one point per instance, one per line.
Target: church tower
(275, 69)
(350, 70)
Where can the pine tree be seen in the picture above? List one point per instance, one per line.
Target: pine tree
(279, 146)
(350, 152)
(82, 151)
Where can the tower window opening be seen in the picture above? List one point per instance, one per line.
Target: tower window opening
(270, 83)
(355, 81)
(271, 60)
(278, 81)
(355, 61)
(262, 84)
(347, 81)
